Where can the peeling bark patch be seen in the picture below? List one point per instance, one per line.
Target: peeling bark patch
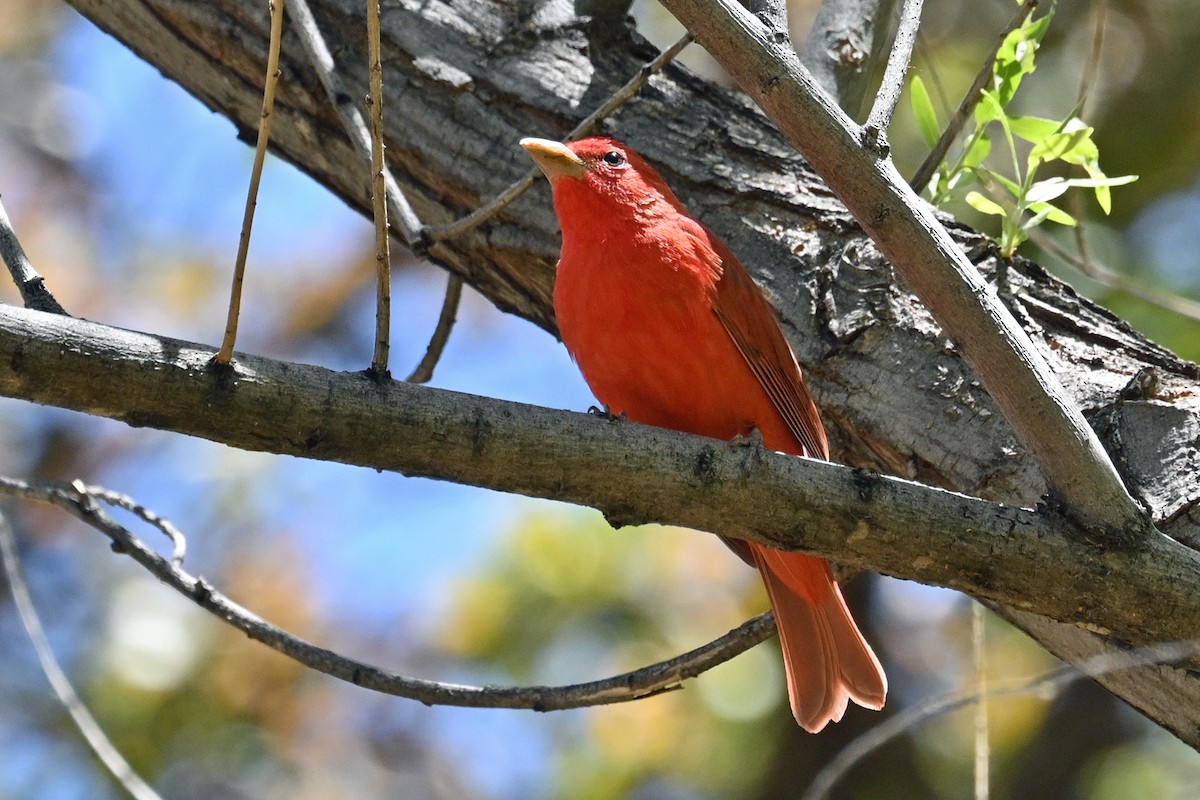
(702, 467)
(480, 430)
(441, 72)
(16, 361)
(865, 481)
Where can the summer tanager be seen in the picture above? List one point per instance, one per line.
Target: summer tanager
(669, 329)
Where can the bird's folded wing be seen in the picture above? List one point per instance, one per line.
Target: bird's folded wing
(751, 323)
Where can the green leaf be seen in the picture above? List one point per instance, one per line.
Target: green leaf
(1101, 184)
(1046, 190)
(978, 150)
(922, 108)
(988, 108)
(984, 205)
(1034, 129)
(1035, 29)
(1043, 211)
(1089, 183)
(1072, 144)
(1014, 60)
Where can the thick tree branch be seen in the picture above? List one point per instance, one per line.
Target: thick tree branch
(633, 473)
(910, 236)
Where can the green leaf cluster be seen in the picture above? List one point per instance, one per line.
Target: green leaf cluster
(1015, 194)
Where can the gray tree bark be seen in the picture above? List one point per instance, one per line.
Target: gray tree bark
(466, 79)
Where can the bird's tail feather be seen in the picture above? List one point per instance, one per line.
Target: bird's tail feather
(827, 660)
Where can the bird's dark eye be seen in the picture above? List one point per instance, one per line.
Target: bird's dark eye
(613, 158)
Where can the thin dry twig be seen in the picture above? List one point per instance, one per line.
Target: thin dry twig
(441, 334)
(400, 210)
(383, 257)
(924, 173)
(91, 731)
(1086, 265)
(982, 748)
(875, 128)
(1091, 70)
(653, 679)
(502, 200)
(225, 354)
(1045, 685)
(32, 286)
(178, 540)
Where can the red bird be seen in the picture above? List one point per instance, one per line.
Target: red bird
(669, 329)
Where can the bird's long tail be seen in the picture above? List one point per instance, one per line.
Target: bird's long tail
(828, 662)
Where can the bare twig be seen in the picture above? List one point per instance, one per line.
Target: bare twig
(1109, 278)
(982, 749)
(400, 210)
(91, 731)
(1091, 70)
(921, 178)
(178, 541)
(1045, 685)
(424, 370)
(875, 128)
(502, 200)
(383, 258)
(653, 679)
(225, 354)
(397, 210)
(844, 41)
(32, 285)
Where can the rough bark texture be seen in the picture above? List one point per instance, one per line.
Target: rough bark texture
(466, 79)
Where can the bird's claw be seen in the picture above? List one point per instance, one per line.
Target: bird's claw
(604, 413)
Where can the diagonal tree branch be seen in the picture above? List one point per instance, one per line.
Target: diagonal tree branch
(897, 67)
(633, 473)
(31, 285)
(910, 236)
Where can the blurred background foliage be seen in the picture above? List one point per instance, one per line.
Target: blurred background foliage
(127, 195)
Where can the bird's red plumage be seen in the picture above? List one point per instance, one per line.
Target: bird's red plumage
(669, 329)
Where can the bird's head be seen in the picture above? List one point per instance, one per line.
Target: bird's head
(599, 175)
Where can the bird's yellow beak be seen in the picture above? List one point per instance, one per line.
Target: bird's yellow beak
(554, 159)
